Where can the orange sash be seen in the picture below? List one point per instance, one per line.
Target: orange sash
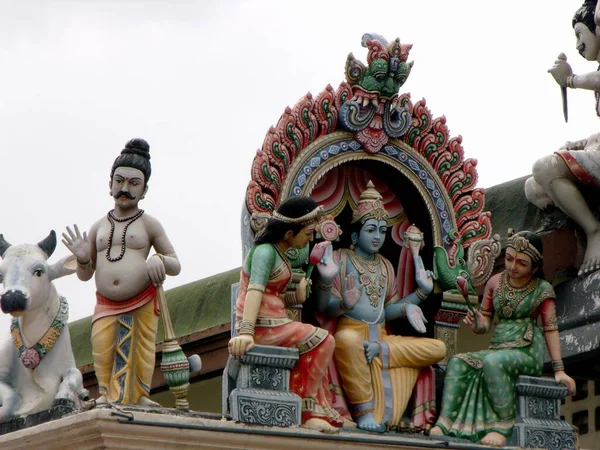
(106, 307)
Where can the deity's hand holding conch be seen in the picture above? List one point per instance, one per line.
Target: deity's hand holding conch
(414, 241)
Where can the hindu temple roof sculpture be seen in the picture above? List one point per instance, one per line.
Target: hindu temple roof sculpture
(367, 117)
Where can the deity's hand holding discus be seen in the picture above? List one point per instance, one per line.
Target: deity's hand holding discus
(78, 244)
(326, 267)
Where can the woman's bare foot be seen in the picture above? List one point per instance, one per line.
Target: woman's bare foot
(494, 439)
(436, 431)
(348, 423)
(591, 260)
(320, 425)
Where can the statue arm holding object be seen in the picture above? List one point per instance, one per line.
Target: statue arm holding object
(486, 314)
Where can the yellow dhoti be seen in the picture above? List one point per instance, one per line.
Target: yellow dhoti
(385, 386)
(123, 346)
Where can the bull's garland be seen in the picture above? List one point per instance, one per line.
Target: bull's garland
(32, 356)
(312, 118)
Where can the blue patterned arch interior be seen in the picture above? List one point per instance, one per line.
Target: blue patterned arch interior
(431, 184)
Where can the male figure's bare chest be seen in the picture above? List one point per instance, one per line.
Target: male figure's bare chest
(136, 237)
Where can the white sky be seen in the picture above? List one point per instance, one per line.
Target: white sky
(202, 81)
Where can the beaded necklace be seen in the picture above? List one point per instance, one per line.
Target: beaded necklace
(375, 285)
(111, 218)
(511, 297)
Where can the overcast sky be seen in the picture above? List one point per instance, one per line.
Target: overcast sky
(202, 82)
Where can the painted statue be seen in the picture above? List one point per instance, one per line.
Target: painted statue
(358, 286)
(557, 178)
(37, 369)
(479, 401)
(261, 309)
(116, 250)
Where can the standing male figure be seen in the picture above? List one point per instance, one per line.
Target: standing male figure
(125, 319)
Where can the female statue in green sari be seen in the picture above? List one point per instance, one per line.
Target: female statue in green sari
(479, 401)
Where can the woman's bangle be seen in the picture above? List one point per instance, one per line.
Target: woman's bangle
(570, 81)
(324, 286)
(290, 299)
(247, 327)
(161, 257)
(558, 366)
(420, 294)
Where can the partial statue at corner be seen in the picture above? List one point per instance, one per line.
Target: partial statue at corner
(557, 178)
(37, 367)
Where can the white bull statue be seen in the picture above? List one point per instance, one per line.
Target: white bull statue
(37, 367)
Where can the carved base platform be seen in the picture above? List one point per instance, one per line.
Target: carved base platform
(266, 407)
(59, 409)
(538, 423)
(135, 428)
(261, 394)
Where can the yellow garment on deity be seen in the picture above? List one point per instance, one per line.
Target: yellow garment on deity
(385, 386)
(124, 354)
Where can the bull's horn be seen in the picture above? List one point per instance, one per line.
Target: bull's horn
(49, 244)
(3, 245)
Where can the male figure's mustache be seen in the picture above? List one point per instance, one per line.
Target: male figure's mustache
(125, 193)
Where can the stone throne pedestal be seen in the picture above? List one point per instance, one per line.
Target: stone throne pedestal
(538, 423)
(256, 386)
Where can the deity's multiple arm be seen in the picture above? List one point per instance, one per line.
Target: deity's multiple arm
(424, 283)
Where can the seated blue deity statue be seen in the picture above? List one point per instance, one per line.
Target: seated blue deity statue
(357, 285)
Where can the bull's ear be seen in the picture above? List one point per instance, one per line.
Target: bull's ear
(3, 245)
(63, 267)
(49, 244)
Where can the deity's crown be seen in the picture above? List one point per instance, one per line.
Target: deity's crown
(370, 206)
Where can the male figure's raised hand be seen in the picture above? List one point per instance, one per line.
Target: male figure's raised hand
(78, 244)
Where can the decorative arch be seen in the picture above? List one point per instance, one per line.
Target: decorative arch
(363, 119)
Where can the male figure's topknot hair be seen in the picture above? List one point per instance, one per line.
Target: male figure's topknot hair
(137, 146)
(136, 154)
